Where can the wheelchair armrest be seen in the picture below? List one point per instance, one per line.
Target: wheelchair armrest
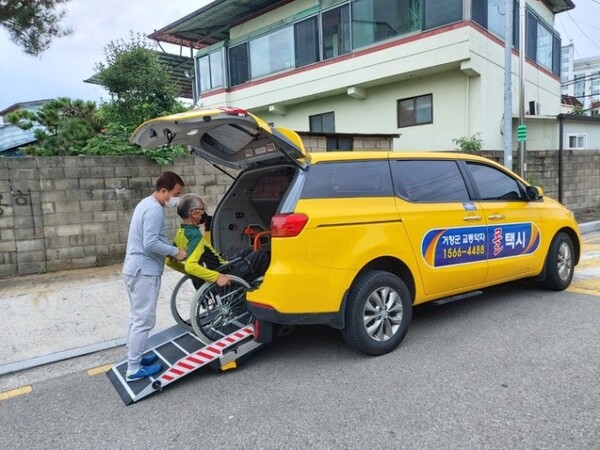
(228, 265)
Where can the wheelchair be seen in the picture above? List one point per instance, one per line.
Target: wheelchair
(211, 311)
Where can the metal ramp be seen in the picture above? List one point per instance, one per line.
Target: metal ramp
(181, 353)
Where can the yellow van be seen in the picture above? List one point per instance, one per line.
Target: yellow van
(357, 238)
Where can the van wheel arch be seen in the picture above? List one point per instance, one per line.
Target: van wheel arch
(394, 266)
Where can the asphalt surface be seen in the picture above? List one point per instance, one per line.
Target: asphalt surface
(514, 368)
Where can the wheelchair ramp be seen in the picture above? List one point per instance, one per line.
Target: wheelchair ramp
(181, 353)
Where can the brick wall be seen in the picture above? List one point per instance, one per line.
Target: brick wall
(70, 212)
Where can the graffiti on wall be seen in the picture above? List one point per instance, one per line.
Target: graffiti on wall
(18, 198)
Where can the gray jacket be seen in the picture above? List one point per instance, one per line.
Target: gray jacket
(147, 243)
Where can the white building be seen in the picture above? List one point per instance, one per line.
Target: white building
(581, 79)
(429, 71)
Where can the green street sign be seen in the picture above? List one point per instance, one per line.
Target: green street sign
(521, 133)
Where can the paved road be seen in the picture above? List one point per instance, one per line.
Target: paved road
(516, 367)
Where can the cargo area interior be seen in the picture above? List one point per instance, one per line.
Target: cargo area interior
(248, 206)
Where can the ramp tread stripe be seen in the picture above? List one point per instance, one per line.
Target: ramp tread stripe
(203, 355)
(214, 350)
(167, 377)
(181, 348)
(195, 360)
(124, 383)
(175, 371)
(221, 344)
(184, 365)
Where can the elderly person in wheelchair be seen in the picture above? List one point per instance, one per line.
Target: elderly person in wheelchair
(218, 307)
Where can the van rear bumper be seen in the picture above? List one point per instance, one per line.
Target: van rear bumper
(268, 314)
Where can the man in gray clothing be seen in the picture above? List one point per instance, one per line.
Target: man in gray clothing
(147, 247)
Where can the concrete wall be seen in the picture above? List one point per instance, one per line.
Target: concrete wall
(60, 213)
(581, 175)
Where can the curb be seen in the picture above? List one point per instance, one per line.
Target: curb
(60, 356)
(589, 227)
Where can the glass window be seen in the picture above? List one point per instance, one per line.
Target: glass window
(338, 144)
(442, 12)
(576, 141)
(322, 123)
(542, 43)
(210, 71)
(272, 53)
(490, 14)
(336, 31)
(377, 20)
(348, 179)
(415, 111)
(429, 181)
(306, 41)
(530, 36)
(556, 49)
(544, 47)
(204, 73)
(493, 184)
(216, 69)
(238, 64)
(495, 14)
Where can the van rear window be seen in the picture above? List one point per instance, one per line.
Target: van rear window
(348, 179)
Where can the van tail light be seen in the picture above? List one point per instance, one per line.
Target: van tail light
(287, 225)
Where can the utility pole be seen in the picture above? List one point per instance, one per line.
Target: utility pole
(508, 39)
(522, 130)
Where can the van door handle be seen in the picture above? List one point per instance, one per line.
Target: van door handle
(496, 217)
(471, 218)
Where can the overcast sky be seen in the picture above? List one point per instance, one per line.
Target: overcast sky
(60, 71)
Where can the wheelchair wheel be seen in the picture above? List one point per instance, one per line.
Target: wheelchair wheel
(182, 298)
(219, 311)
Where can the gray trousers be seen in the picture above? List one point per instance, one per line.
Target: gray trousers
(142, 291)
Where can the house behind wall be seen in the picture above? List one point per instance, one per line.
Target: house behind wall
(368, 58)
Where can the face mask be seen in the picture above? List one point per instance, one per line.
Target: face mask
(173, 202)
(203, 218)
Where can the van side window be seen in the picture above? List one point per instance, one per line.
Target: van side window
(493, 184)
(429, 181)
(348, 179)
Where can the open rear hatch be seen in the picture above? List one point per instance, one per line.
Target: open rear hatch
(231, 137)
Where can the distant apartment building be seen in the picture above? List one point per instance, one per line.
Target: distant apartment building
(580, 78)
(423, 71)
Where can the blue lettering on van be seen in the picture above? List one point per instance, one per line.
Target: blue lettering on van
(462, 245)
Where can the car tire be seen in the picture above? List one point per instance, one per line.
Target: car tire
(560, 263)
(378, 313)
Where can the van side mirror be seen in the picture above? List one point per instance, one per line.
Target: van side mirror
(534, 193)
